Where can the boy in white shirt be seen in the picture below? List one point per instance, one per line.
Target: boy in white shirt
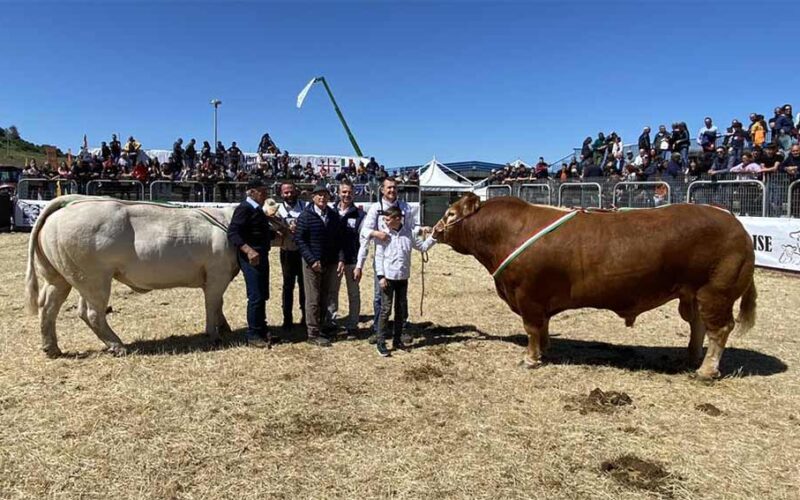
(393, 268)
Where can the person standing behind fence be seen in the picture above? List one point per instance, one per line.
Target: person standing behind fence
(190, 155)
(375, 227)
(393, 268)
(318, 236)
(291, 261)
(352, 217)
(250, 234)
(178, 154)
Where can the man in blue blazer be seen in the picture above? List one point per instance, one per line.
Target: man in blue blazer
(250, 234)
(319, 239)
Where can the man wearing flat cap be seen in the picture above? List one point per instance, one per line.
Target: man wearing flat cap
(250, 234)
(319, 238)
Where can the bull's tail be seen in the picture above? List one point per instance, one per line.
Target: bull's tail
(31, 280)
(747, 309)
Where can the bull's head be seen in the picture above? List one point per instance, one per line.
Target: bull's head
(455, 213)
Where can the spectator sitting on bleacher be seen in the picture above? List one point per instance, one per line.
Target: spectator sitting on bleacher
(792, 162)
(31, 170)
(592, 170)
(540, 170)
(747, 167)
(64, 171)
(131, 150)
(140, 173)
(674, 169)
(771, 159)
(640, 157)
(650, 168)
(110, 170)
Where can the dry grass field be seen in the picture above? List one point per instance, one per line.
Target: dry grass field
(454, 417)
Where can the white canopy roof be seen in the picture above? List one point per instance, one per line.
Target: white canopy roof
(432, 177)
(516, 163)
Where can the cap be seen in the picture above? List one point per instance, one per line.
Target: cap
(320, 188)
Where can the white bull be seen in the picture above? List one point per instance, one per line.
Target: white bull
(84, 242)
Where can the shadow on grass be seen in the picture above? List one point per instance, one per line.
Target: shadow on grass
(660, 359)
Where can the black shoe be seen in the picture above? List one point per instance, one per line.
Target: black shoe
(373, 338)
(399, 344)
(382, 350)
(287, 326)
(406, 338)
(319, 341)
(257, 342)
(274, 339)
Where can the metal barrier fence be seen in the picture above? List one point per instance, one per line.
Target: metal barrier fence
(793, 197)
(580, 194)
(741, 197)
(229, 192)
(189, 191)
(45, 189)
(498, 190)
(540, 193)
(122, 189)
(641, 194)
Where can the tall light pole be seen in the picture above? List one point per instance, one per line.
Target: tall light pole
(215, 103)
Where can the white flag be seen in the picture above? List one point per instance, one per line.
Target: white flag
(302, 95)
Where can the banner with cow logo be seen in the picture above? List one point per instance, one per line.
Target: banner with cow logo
(776, 241)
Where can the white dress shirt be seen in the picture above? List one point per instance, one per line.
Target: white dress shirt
(393, 257)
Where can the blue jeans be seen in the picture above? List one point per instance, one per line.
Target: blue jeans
(684, 155)
(256, 279)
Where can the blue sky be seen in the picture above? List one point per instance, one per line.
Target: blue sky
(460, 80)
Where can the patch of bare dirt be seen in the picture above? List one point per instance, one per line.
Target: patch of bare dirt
(599, 401)
(422, 373)
(634, 472)
(709, 409)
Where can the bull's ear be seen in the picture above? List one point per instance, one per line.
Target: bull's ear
(470, 204)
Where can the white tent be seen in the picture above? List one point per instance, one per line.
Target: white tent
(516, 163)
(433, 177)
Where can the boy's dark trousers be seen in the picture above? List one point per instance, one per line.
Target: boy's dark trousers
(395, 292)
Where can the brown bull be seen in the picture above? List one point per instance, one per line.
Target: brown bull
(628, 262)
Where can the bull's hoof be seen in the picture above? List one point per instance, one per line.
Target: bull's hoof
(530, 364)
(118, 351)
(706, 377)
(52, 352)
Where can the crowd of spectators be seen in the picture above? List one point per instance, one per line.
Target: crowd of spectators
(128, 161)
(752, 151)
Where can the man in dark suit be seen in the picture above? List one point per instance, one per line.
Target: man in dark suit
(250, 234)
(318, 237)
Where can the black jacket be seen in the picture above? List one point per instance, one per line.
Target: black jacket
(644, 142)
(318, 241)
(351, 223)
(249, 225)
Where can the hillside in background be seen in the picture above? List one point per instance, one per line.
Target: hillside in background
(14, 150)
